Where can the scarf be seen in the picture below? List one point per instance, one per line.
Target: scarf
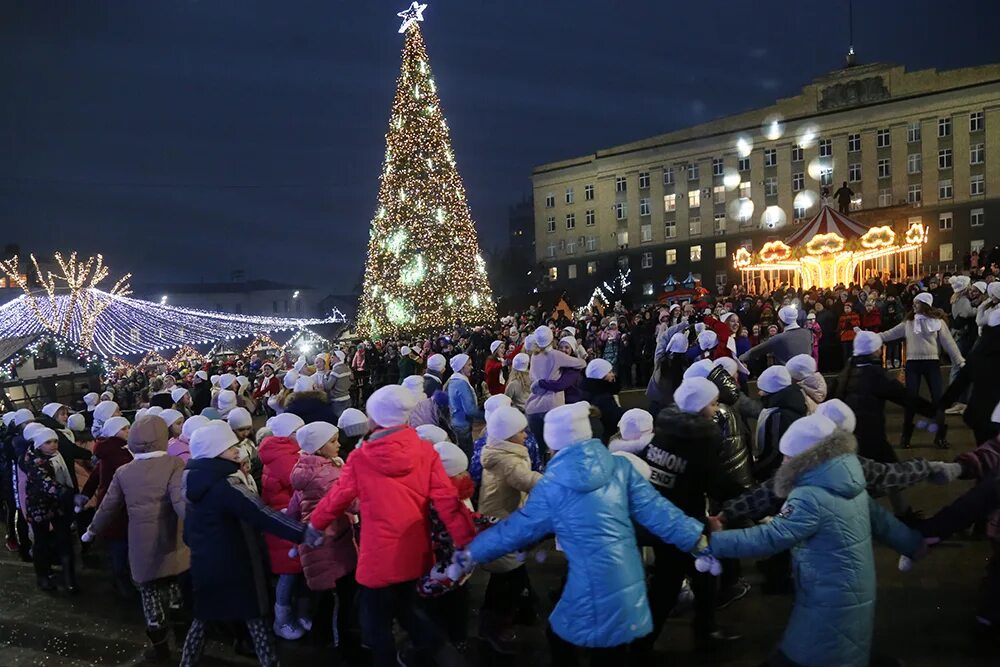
(924, 324)
(60, 470)
(148, 455)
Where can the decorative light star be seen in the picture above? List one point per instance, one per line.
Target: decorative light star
(414, 14)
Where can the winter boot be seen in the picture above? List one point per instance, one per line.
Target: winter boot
(497, 632)
(69, 575)
(45, 583)
(304, 616)
(285, 625)
(160, 651)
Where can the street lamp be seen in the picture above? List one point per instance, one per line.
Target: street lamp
(295, 295)
(163, 300)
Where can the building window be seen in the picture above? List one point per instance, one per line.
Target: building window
(976, 121)
(694, 226)
(977, 154)
(591, 268)
(944, 127)
(856, 202)
(719, 223)
(977, 245)
(669, 203)
(647, 260)
(550, 200)
(693, 171)
(743, 164)
(551, 250)
(913, 132)
(570, 247)
(621, 185)
(976, 217)
(913, 194)
(977, 185)
(944, 158)
(798, 154)
(770, 157)
(745, 190)
(719, 194)
(643, 180)
(882, 139)
(571, 221)
(721, 278)
(621, 210)
(798, 181)
(854, 172)
(553, 273)
(826, 176)
(716, 166)
(771, 186)
(646, 233)
(945, 189)
(694, 198)
(945, 222)
(668, 175)
(825, 147)
(622, 238)
(590, 217)
(669, 229)
(883, 168)
(591, 244)
(569, 195)
(913, 163)
(799, 212)
(945, 252)
(647, 289)
(853, 143)
(550, 223)
(696, 253)
(644, 206)
(885, 197)
(588, 192)
(571, 271)
(671, 255)
(720, 250)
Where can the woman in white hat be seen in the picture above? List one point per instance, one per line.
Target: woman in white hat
(494, 368)
(547, 364)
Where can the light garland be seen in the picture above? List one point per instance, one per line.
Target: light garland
(775, 251)
(878, 237)
(186, 353)
(260, 343)
(52, 343)
(916, 234)
(825, 244)
(741, 258)
(152, 358)
(424, 269)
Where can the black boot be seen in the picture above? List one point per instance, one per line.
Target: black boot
(69, 575)
(45, 583)
(159, 638)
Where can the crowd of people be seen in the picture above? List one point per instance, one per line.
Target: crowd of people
(341, 491)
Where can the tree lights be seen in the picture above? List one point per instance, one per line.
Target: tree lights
(423, 269)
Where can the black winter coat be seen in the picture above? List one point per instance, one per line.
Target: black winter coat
(201, 397)
(311, 406)
(221, 525)
(789, 404)
(67, 448)
(734, 453)
(601, 395)
(980, 371)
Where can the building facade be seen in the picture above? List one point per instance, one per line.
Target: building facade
(243, 297)
(908, 145)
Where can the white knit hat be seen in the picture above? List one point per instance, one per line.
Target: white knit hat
(105, 410)
(8, 418)
(391, 405)
(50, 409)
(839, 413)
(431, 433)
(993, 290)
(570, 330)
(226, 400)
(635, 423)
(774, 379)
(598, 368)
(353, 422)
(520, 362)
(341, 357)
(40, 436)
(112, 426)
(699, 369)
(708, 339)
(788, 314)
(201, 375)
(570, 341)
(239, 418)
(530, 344)
(494, 402)
(285, 424)
(154, 410)
(543, 337)
(805, 433)
(76, 422)
(414, 383)
(304, 383)
(678, 342)
(288, 381)
(31, 429)
(925, 298)
(981, 286)
(458, 362)
(504, 422)
(436, 362)
(215, 380)
(730, 365)
(405, 351)
(226, 380)
(567, 425)
(23, 416)
(694, 394)
(299, 365)
(211, 440)
(959, 283)
(140, 413)
(866, 342)
(91, 400)
(453, 459)
(312, 437)
(494, 345)
(178, 394)
(169, 417)
(192, 424)
(801, 366)
(640, 466)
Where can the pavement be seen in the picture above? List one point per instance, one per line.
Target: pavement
(923, 617)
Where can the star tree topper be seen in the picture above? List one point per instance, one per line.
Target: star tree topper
(412, 15)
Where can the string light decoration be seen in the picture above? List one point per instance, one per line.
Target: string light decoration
(261, 343)
(186, 353)
(422, 270)
(52, 345)
(152, 358)
(305, 341)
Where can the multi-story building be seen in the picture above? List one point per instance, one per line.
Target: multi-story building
(909, 145)
(246, 297)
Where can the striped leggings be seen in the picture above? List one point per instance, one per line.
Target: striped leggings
(260, 634)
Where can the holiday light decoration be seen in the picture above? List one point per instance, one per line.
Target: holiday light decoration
(152, 358)
(825, 244)
(261, 343)
(186, 353)
(49, 345)
(775, 251)
(411, 15)
(424, 269)
(741, 258)
(877, 237)
(305, 341)
(605, 295)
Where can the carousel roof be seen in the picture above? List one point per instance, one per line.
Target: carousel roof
(828, 221)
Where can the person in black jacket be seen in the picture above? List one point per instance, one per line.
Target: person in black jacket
(201, 392)
(684, 456)
(600, 389)
(55, 416)
(783, 403)
(981, 372)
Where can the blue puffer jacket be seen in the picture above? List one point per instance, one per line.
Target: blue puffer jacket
(589, 498)
(462, 401)
(828, 522)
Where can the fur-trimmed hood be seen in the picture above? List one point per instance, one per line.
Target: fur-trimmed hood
(618, 444)
(314, 395)
(831, 464)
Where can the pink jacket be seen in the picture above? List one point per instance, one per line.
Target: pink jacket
(180, 448)
(337, 556)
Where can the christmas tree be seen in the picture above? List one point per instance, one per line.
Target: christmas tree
(424, 268)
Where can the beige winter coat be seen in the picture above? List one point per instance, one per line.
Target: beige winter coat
(507, 479)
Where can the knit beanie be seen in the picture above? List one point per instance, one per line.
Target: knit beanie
(239, 418)
(211, 440)
(105, 410)
(801, 366)
(139, 414)
(925, 298)
(695, 394)
(76, 422)
(168, 417)
(598, 368)
(91, 400)
(178, 394)
(353, 423)
(154, 410)
(31, 429)
(788, 315)
(436, 363)
(23, 416)
(993, 290)
(699, 369)
(227, 401)
(201, 375)
(41, 435)
(530, 344)
(405, 351)
(50, 409)
(494, 402)
(285, 424)
(494, 345)
(415, 383)
(520, 362)
(453, 459)
(215, 380)
(707, 340)
(774, 379)
(504, 422)
(226, 380)
(866, 343)
(567, 425)
(113, 425)
(148, 434)
(458, 362)
(959, 283)
(805, 433)
(981, 286)
(192, 424)
(312, 437)
(839, 413)
(431, 433)
(728, 364)
(390, 406)
(543, 337)
(678, 342)
(303, 383)
(635, 424)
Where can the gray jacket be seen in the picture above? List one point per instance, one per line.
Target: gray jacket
(783, 346)
(339, 382)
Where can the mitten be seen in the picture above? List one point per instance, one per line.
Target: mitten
(87, 536)
(312, 537)
(461, 564)
(943, 473)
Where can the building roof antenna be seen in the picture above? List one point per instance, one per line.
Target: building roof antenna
(850, 31)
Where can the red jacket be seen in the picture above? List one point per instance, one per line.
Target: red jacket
(395, 475)
(111, 453)
(279, 455)
(871, 320)
(493, 368)
(847, 323)
(267, 387)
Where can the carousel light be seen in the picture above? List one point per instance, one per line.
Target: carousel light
(878, 237)
(825, 244)
(775, 251)
(741, 258)
(916, 234)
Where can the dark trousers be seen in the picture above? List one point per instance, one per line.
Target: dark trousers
(565, 654)
(671, 568)
(504, 592)
(918, 371)
(536, 424)
(53, 544)
(450, 612)
(380, 606)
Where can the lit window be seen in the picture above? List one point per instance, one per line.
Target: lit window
(719, 194)
(945, 222)
(853, 143)
(770, 157)
(693, 171)
(553, 273)
(694, 226)
(550, 223)
(622, 238)
(745, 190)
(671, 255)
(882, 139)
(646, 233)
(944, 158)
(913, 194)
(797, 154)
(977, 185)
(550, 200)
(945, 252)
(591, 268)
(944, 189)
(694, 198)
(571, 221)
(977, 154)
(669, 202)
(743, 164)
(591, 243)
(826, 176)
(647, 260)
(591, 217)
(854, 172)
(716, 166)
(883, 168)
(885, 197)
(696, 253)
(977, 245)
(798, 181)
(571, 271)
(669, 229)
(976, 121)
(719, 223)
(825, 147)
(913, 132)
(569, 195)
(647, 288)
(856, 202)
(913, 163)
(644, 206)
(620, 184)
(944, 127)
(588, 192)
(976, 217)
(621, 210)
(771, 186)
(720, 250)
(668, 175)
(643, 180)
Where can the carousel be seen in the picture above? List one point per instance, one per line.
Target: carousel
(829, 250)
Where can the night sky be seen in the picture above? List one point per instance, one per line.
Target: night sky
(187, 139)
